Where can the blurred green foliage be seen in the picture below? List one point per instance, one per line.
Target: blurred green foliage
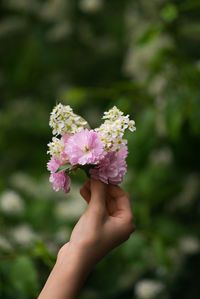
(142, 56)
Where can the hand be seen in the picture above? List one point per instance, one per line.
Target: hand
(107, 222)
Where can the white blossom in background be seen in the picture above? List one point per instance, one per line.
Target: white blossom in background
(161, 156)
(64, 121)
(23, 235)
(90, 5)
(11, 202)
(148, 289)
(138, 57)
(73, 208)
(10, 25)
(54, 10)
(59, 31)
(33, 187)
(112, 130)
(23, 182)
(70, 209)
(189, 245)
(158, 83)
(5, 244)
(23, 5)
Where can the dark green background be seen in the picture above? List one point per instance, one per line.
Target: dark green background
(143, 57)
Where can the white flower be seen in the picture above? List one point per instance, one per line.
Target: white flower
(4, 243)
(64, 121)
(148, 289)
(113, 114)
(90, 5)
(189, 244)
(11, 203)
(24, 235)
(73, 207)
(56, 148)
(113, 129)
(131, 126)
(161, 156)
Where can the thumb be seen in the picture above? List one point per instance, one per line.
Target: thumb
(98, 196)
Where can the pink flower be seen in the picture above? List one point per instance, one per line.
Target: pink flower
(60, 180)
(112, 168)
(53, 164)
(65, 138)
(85, 147)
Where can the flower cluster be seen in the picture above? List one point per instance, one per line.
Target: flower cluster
(56, 147)
(101, 152)
(64, 121)
(112, 130)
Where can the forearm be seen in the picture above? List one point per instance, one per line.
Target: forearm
(66, 278)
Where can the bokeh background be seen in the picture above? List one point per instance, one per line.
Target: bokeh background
(143, 57)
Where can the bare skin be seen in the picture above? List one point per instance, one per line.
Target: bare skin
(107, 222)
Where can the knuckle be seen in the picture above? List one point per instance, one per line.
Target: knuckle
(130, 225)
(126, 194)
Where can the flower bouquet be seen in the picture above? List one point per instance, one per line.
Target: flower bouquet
(101, 152)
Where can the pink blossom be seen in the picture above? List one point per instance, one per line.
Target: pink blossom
(85, 147)
(65, 138)
(112, 168)
(53, 164)
(60, 180)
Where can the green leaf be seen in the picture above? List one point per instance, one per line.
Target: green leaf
(24, 277)
(40, 250)
(151, 34)
(169, 13)
(63, 167)
(87, 168)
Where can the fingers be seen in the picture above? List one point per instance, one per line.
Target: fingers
(121, 198)
(98, 195)
(123, 210)
(85, 191)
(111, 205)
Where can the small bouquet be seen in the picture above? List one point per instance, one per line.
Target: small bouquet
(101, 152)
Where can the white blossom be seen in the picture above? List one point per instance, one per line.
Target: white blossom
(56, 148)
(148, 289)
(73, 207)
(23, 235)
(90, 5)
(113, 129)
(189, 244)
(11, 203)
(4, 243)
(64, 121)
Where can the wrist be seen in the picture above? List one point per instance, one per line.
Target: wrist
(74, 259)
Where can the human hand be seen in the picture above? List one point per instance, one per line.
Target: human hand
(107, 222)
